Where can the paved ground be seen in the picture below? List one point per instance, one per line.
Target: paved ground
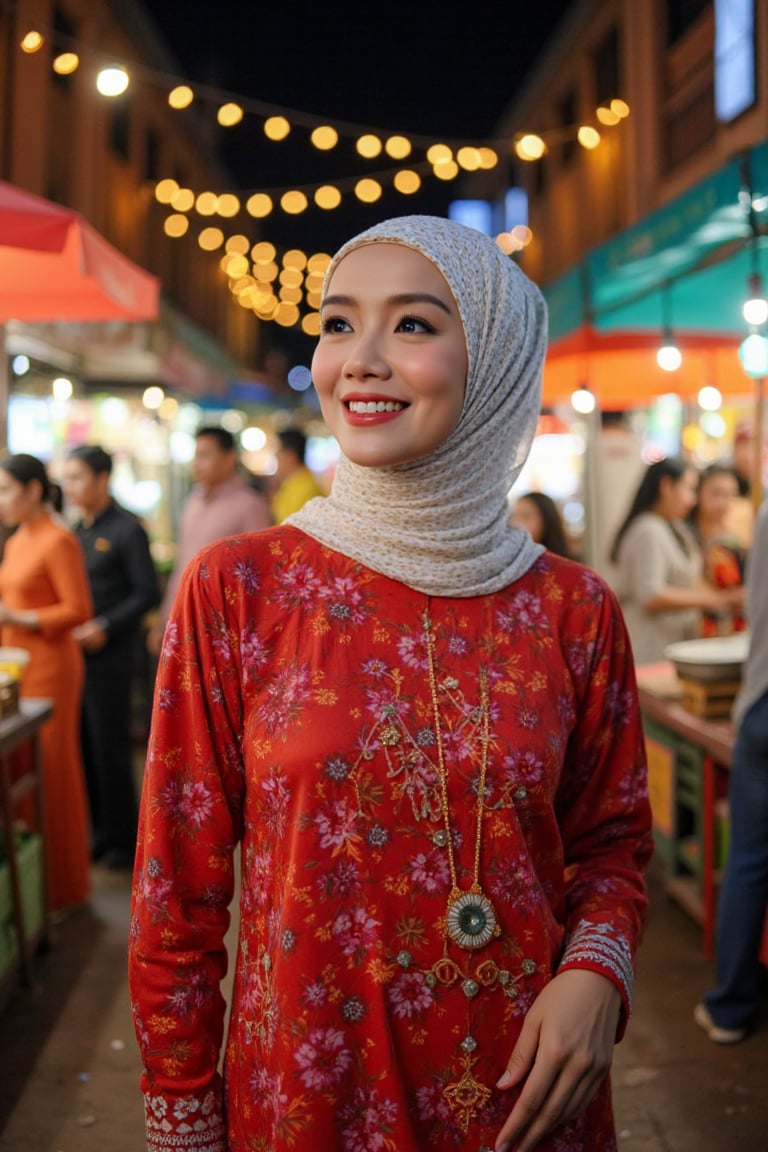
(69, 1068)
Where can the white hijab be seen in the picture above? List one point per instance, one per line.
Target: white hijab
(439, 523)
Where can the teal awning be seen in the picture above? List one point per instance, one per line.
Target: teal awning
(688, 262)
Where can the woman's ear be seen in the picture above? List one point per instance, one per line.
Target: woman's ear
(35, 491)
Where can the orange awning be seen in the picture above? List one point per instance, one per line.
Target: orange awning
(55, 266)
(621, 369)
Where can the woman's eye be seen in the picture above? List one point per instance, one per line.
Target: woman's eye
(334, 324)
(415, 324)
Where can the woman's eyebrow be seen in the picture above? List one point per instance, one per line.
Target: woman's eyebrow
(401, 298)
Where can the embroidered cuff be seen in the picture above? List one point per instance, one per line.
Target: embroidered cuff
(597, 946)
(184, 1124)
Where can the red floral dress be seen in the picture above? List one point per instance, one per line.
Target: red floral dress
(293, 714)
(723, 567)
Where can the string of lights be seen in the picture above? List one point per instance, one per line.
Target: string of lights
(252, 278)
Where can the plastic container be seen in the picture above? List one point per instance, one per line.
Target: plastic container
(14, 661)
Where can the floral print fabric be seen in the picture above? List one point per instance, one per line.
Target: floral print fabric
(293, 715)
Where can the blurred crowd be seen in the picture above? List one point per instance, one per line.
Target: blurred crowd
(677, 558)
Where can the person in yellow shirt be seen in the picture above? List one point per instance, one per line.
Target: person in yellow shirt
(296, 483)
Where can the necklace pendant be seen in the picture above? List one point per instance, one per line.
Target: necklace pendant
(470, 920)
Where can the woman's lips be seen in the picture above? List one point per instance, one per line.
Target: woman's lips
(369, 411)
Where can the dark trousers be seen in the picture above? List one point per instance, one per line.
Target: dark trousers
(107, 745)
(743, 895)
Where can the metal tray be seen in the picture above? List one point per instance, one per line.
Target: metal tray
(713, 658)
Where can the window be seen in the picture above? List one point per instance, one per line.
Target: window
(681, 14)
(735, 83)
(120, 127)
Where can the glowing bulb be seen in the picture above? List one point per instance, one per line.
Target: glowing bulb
(710, 399)
(407, 181)
(153, 397)
(369, 146)
(32, 42)
(276, 128)
(112, 81)
(669, 357)
(324, 138)
(583, 401)
(253, 438)
(588, 137)
(229, 115)
(755, 311)
(398, 147)
(327, 197)
(530, 147)
(61, 388)
(66, 63)
(753, 353)
(181, 96)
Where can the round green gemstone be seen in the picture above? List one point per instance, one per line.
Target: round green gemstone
(472, 919)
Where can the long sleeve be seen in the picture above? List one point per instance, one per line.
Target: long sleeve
(66, 572)
(604, 813)
(141, 576)
(190, 822)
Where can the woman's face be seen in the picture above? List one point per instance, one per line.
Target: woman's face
(390, 367)
(18, 502)
(677, 496)
(716, 493)
(525, 514)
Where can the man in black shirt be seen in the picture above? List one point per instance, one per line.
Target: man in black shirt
(124, 587)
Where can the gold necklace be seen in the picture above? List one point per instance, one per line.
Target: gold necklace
(470, 919)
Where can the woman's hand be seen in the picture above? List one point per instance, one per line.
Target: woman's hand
(20, 619)
(562, 1055)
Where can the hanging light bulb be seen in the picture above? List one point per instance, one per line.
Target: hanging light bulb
(112, 81)
(753, 353)
(669, 357)
(583, 400)
(755, 308)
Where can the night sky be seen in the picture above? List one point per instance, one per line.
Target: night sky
(410, 67)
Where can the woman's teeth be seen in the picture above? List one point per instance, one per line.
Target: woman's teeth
(365, 406)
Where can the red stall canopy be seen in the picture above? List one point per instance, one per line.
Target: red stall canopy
(55, 266)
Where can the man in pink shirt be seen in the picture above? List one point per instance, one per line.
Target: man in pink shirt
(222, 503)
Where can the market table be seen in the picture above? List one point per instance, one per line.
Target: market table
(689, 759)
(15, 730)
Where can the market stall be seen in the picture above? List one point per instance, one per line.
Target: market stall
(55, 266)
(689, 740)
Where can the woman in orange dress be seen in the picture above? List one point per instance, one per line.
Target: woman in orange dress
(44, 594)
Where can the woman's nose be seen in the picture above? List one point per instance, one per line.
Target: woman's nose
(365, 362)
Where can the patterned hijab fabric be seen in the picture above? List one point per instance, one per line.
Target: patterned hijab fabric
(439, 523)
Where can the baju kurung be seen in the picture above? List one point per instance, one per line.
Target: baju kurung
(294, 714)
